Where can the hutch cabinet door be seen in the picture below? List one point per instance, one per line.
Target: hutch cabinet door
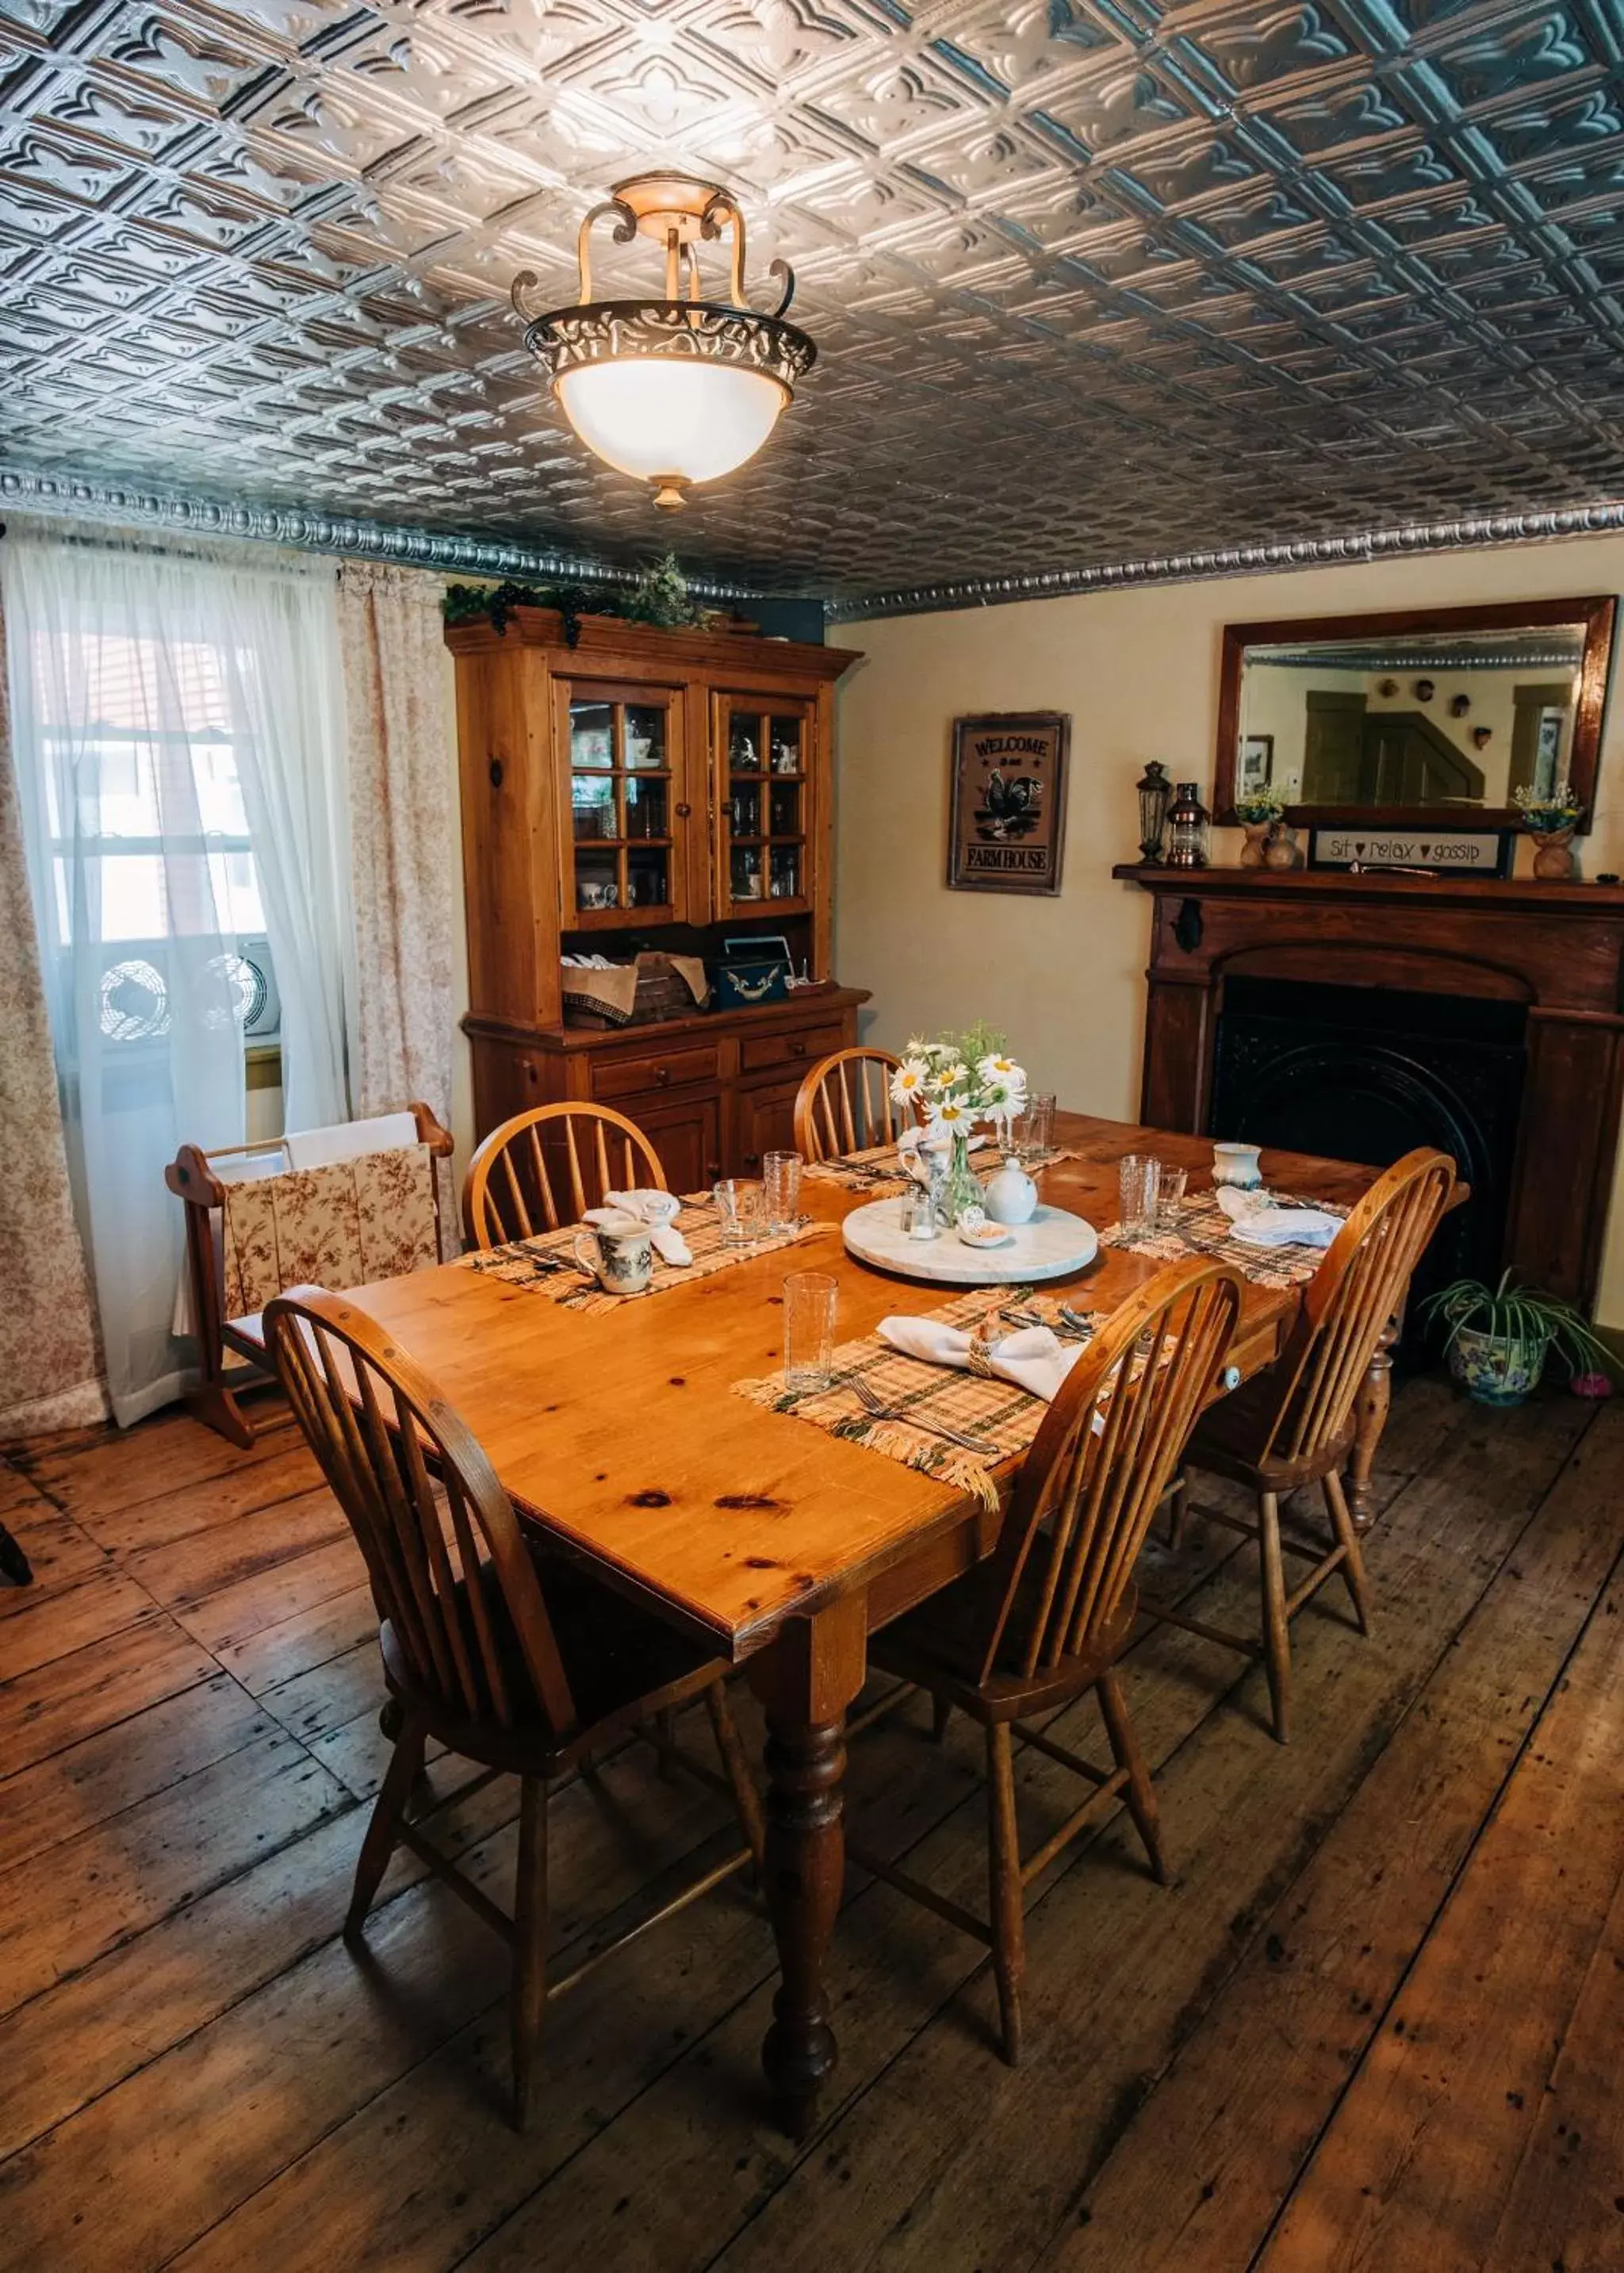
(763, 756)
(687, 1136)
(765, 1122)
(624, 774)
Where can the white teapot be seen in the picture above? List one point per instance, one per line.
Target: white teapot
(1010, 1196)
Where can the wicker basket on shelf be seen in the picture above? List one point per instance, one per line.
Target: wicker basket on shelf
(641, 993)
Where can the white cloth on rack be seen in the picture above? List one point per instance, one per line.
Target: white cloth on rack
(318, 1148)
(1034, 1358)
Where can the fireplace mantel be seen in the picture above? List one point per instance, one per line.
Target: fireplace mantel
(1556, 948)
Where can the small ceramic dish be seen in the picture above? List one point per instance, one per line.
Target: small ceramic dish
(986, 1234)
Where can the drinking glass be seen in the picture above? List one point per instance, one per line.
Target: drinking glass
(1033, 1130)
(1138, 1186)
(809, 1330)
(741, 1202)
(1170, 1194)
(781, 1175)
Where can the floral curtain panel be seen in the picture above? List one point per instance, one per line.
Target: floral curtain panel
(404, 842)
(50, 1359)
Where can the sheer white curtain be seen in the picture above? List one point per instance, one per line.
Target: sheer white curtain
(288, 693)
(176, 723)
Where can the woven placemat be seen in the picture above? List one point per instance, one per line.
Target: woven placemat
(876, 1174)
(547, 1266)
(1204, 1229)
(917, 1395)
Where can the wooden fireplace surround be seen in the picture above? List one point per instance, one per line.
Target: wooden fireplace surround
(1556, 948)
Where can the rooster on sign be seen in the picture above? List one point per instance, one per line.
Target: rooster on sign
(1009, 808)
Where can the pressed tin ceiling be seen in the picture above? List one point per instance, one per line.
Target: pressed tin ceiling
(1092, 280)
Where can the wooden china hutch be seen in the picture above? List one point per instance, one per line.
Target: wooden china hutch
(654, 790)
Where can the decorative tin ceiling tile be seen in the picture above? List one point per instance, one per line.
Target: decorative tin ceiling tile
(1092, 280)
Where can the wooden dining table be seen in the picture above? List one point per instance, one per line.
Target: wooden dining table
(775, 1544)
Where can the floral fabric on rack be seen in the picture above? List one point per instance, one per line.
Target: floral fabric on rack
(345, 1225)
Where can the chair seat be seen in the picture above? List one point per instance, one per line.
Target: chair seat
(621, 1663)
(1231, 1437)
(942, 1645)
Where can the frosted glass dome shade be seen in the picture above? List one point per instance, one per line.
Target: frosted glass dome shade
(658, 417)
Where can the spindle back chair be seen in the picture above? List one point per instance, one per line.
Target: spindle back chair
(522, 1665)
(845, 1105)
(1294, 1424)
(1049, 1611)
(546, 1167)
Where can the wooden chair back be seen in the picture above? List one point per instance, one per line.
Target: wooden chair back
(1107, 1451)
(1357, 1291)
(418, 1542)
(547, 1166)
(845, 1105)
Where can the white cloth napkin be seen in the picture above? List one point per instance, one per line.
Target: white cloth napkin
(654, 1209)
(1033, 1358)
(1260, 1222)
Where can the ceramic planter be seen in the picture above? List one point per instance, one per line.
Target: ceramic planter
(1553, 860)
(1495, 1370)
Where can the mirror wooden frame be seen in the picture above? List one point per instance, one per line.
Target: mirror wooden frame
(1596, 614)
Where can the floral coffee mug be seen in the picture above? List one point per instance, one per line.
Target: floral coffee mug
(618, 1255)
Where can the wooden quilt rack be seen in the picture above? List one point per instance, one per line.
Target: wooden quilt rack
(192, 1175)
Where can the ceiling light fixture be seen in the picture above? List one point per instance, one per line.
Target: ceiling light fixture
(679, 390)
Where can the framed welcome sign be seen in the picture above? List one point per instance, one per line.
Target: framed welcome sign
(1007, 810)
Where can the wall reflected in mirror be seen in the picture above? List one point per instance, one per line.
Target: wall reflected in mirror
(1438, 712)
(1411, 722)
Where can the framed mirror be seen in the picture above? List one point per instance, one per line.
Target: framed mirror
(1437, 715)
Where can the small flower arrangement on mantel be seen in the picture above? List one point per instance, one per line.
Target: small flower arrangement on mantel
(1260, 813)
(956, 1080)
(1551, 821)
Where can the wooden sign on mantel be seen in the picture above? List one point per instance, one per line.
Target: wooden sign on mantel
(1479, 853)
(1008, 826)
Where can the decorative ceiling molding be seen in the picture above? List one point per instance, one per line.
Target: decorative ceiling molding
(111, 504)
(1489, 529)
(1102, 289)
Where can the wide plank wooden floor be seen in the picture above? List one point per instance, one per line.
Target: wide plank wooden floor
(1374, 2022)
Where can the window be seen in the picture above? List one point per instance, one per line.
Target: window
(162, 739)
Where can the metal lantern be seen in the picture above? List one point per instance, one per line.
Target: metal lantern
(1154, 790)
(1188, 821)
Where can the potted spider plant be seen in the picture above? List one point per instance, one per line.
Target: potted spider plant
(1499, 1338)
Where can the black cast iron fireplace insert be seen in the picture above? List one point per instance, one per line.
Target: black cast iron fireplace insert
(1366, 1073)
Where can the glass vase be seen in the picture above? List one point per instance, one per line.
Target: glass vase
(960, 1190)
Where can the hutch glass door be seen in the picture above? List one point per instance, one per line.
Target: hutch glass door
(622, 765)
(763, 749)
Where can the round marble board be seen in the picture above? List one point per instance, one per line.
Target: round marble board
(1051, 1246)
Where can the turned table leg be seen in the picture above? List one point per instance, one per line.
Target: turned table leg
(805, 1678)
(1371, 1408)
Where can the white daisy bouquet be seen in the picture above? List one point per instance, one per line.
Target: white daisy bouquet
(960, 1079)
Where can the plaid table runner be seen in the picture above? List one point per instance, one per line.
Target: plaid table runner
(920, 1399)
(1204, 1229)
(876, 1174)
(547, 1266)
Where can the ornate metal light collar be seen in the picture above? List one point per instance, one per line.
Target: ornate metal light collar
(679, 390)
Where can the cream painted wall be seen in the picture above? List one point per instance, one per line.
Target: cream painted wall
(1138, 671)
